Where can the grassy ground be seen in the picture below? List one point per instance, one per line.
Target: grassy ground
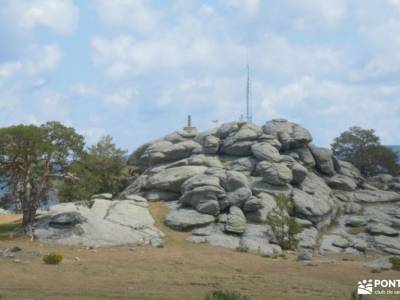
(180, 270)
(9, 226)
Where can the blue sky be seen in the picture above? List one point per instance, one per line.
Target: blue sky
(135, 69)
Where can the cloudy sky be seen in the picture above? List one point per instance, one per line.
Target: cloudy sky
(135, 68)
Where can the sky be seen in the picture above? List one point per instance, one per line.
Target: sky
(134, 69)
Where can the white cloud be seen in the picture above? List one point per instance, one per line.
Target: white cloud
(279, 56)
(250, 7)
(83, 89)
(317, 14)
(8, 69)
(51, 105)
(206, 10)
(92, 134)
(135, 15)
(125, 56)
(38, 60)
(384, 61)
(45, 58)
(122, 97)
(335, 106)
(58, 15)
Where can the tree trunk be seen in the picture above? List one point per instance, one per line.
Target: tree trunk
(29, 214)
(28, 207)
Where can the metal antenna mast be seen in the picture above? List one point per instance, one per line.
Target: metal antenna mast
(249, 116)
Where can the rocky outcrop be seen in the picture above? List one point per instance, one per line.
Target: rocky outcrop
(290, 135)
(222, 185)
(106, 223)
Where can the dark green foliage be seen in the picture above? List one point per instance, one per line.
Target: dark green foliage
(31, 157)
(225, 295)
(7, 230)
(102, 168)
(395, 261)
(363, 149)
(283, 225)
(53, 258)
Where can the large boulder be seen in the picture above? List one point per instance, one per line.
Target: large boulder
(239, 142)
(388, 244)
(171, 179)
(187, 219)
(106, 223)
(324, 160)
(245, 165)
(202, 192)
(381, 229)
(253, 204)
(258, 186)
(299, 173)
(375, 196)
(349, 170)
(290, 135)
(236, 222)
(236, 198)
(274, 173)
(209, 141)
(341, 182)
(266, 203)
(164, 151)
(314, 200)
(265, 151)
(305, 156)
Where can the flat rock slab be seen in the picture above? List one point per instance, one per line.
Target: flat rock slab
(187, 219)
(106, 223)
(369, 196)
(4, 212)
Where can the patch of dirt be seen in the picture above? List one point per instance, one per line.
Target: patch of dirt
(180, 270)
(7, 219)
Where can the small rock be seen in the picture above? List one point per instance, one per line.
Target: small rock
(157, 243)
(355, 221)
(305, 254)
(16, 249)
(17, 261)
(311, 264)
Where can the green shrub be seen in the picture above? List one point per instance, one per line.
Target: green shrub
(53, 258)
(395, 261)
(282, 224)
(225, 295)
(9, 230)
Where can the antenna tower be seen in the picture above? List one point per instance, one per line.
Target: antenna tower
(249, 117)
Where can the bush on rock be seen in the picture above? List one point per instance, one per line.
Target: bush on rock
(283, 225)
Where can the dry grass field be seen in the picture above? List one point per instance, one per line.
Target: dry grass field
(179, 270)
